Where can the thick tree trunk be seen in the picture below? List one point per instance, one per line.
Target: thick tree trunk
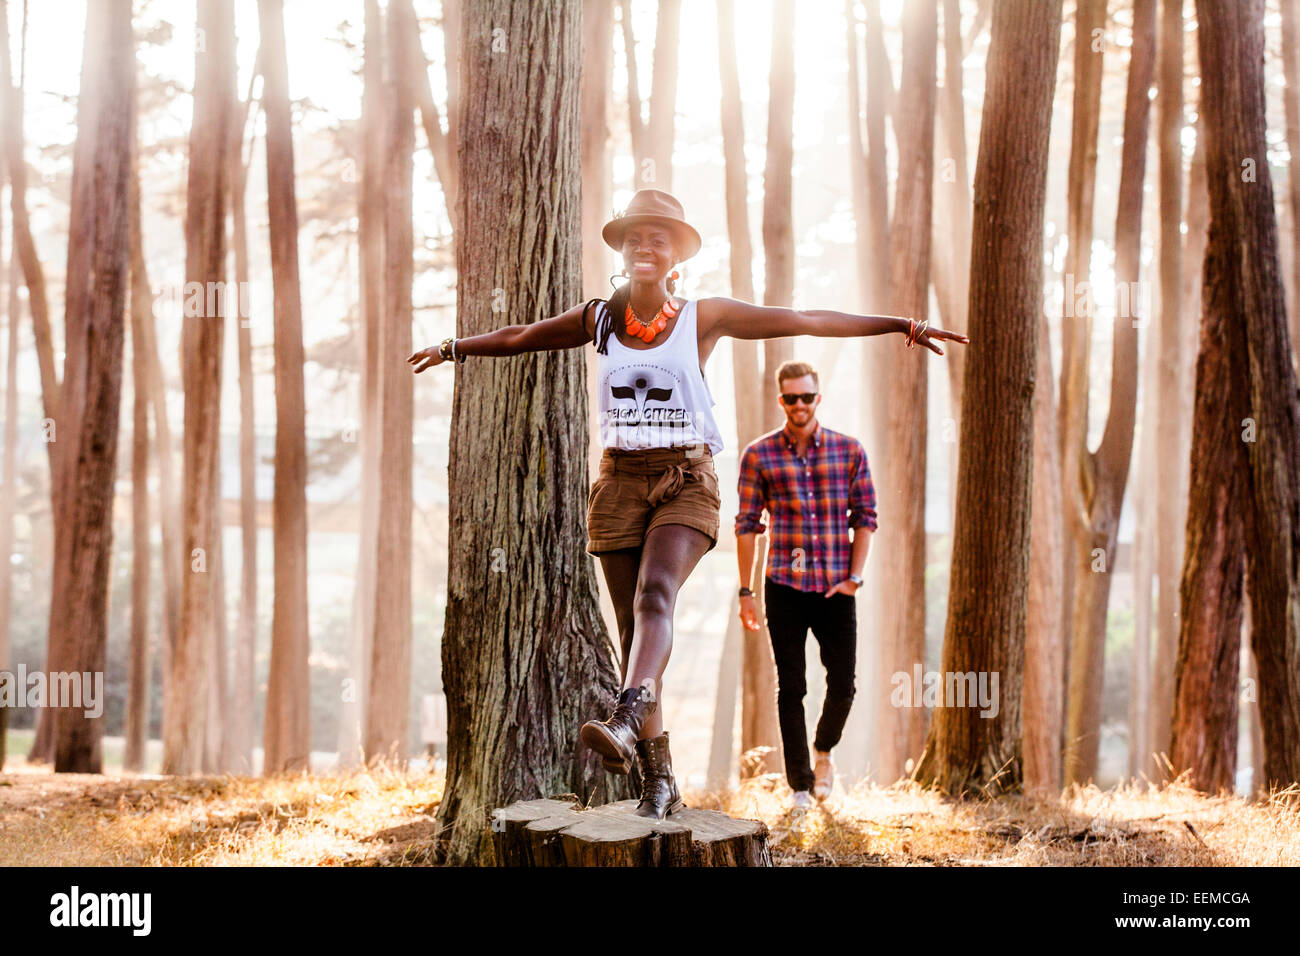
(93, 397)
(370, 242)
(388, 701)
(287, 731)
(900, 474)
(1243, 290)
(523, 623)
(990, 565)
(1104, 474)
(201, 353)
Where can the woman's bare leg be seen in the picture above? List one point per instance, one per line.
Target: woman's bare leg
(668, 556)
(621, 569)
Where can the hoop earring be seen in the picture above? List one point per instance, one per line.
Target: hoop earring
(617, 285)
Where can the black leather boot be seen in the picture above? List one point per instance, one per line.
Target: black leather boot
(659, 796)
(615, 739)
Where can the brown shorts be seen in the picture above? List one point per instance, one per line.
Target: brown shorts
(639, 490)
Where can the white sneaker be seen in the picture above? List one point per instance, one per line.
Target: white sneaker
(802, 800)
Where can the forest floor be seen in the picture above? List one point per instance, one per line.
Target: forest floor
(386, 818)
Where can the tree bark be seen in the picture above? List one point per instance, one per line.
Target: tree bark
(1104, 474)
(201, 353)
(1243, 290)
(900, 475)
(389, 698)
(94, 392)
(1076, 322)
(287, 731)
(1291, 103)
(137, 699)
(990, 566)
(523, 623)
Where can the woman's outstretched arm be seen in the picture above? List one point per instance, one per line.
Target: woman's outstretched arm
(743, 320)
(565, 331)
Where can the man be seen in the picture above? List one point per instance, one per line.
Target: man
(815, 485)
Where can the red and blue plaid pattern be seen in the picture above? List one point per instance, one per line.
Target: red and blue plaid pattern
(811, 503)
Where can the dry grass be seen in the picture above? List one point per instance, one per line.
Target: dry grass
(386, 818)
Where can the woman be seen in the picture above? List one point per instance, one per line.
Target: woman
(653, 512)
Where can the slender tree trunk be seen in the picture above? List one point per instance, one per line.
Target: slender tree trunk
(950, 252)
(1243, 288)
(516, 530)
(1104, 474)
(201, 352)
(287, 732)
(663, 94)
(444, 160)
(1044, 613)
(597, 63)
(137, 700)
(370, 242)
(94, 395)
(636, 125)
(389, 698)
(1076, 322)
(243, 679)
(990, 565)
(753, 653)
(1144, 551)
(216, 749)
(900, 476)
(8, 480)
(1291, 102)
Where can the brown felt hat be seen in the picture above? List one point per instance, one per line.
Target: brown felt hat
(653, 205)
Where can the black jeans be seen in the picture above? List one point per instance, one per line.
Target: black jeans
(834, 622)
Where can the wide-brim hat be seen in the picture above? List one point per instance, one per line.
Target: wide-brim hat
(656, 206)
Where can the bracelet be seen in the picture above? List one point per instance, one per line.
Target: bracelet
(459, 358)
(444, 349)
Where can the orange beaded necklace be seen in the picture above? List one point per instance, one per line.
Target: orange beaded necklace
(647, 332)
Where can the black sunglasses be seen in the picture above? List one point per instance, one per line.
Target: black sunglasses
(791, 397)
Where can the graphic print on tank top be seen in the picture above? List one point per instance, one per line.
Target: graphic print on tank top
(656, 397)
(643, 412)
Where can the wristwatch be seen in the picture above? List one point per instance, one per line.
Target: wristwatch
(746, 592)
(855, 579)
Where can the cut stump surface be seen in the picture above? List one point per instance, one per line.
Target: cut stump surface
(558, 832)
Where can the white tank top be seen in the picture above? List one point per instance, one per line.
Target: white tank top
(656, 397)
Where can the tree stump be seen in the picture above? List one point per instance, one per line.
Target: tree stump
(558, 832)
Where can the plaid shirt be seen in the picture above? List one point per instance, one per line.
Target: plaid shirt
(811, 501)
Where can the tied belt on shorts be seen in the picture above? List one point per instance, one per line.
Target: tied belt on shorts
(675, 467)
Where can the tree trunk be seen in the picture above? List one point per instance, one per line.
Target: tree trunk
(752, 650)
(1144, 551)
(900, 474)
(1104, 474)
(1044, 647)
(137, 700)
(201, 353)
(243, 680)
(759, 728)
(370, 242)
(663, 95)
(389, 697)
(990, 566)
(1243, 289)
(950, 257)
(8, 479)
(287, 731)
(523, 623)
(1076, 322)
(88, 471)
